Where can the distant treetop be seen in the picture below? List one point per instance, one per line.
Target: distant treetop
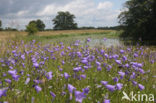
(64, 21)
(39, 24)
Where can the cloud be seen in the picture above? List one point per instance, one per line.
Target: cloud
(105, 5)
(75, 6)
(87, 12)
(15, 6)
(22, 12)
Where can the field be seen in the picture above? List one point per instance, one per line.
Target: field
(57, 67)
(11, 34)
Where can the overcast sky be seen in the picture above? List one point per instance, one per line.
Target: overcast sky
(17, 13)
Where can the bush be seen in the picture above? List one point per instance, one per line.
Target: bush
(31, 28)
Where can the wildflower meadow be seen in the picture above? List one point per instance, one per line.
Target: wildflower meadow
(32, 72)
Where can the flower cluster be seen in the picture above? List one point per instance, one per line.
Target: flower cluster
(62, 73)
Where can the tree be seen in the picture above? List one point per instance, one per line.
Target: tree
(64, 21)
(31, 28)
(139, 20)
(39, 24)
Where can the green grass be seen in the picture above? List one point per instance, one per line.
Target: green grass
(67, 38)
(58, 84)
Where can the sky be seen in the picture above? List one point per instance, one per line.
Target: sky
(18, 13)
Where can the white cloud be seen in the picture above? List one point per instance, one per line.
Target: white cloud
(22, 13)
(75, 7)
(87, 12)
(105, 5)
(48, 10)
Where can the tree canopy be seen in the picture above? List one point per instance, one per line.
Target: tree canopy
(39, 24)
(139, 20)
(31, 28)
(64, 21)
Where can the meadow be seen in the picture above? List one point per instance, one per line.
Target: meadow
(55, 67)
(14, 34)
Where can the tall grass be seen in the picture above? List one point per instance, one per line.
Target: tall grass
(86, 68)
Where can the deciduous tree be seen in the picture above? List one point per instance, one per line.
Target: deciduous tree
(64, 21)
(139, 20)
(31, 28)
(39, 24)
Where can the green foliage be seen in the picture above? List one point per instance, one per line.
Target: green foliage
(85, 27)
(31, 28)
(39, 24)
(10, 29)
(139, 20)
(64, 21)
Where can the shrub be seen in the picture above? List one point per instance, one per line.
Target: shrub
(31, 28)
